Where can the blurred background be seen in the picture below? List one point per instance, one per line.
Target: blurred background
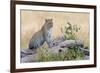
(32, 21)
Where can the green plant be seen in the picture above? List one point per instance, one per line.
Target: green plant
(72, 53)
(44, 56)
(70, 31)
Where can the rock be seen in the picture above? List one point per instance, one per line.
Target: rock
(29, 58)
(25, 52)
(87, 57)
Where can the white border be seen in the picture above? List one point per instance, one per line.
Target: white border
(59, 63)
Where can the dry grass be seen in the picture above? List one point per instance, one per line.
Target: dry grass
(70, 54)
(32, 21)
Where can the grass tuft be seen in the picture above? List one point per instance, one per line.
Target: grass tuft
(70, 54)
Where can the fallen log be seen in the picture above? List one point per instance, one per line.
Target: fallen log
(30, 55)
(69, 43)
(86, 52)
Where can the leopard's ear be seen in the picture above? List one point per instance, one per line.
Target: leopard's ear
(46, 20)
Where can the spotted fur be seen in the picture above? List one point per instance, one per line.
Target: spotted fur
(44, 35)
